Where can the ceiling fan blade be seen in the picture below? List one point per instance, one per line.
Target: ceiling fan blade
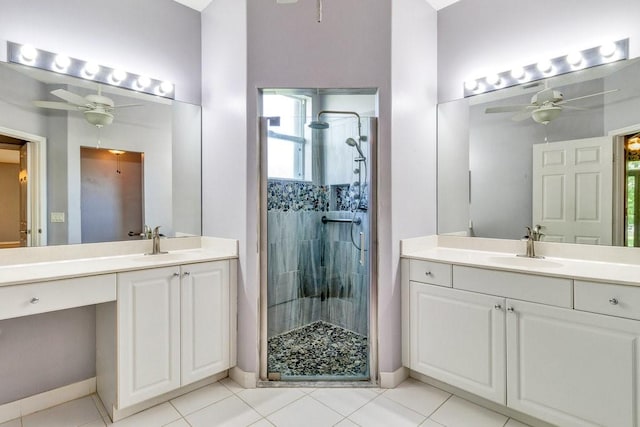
(128, 105)
(506, 109)
(55, 105)
(588, 96)
(70, 97)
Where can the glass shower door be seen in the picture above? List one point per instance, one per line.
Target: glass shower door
(318, 255)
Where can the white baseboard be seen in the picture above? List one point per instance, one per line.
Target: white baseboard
(244, 379)
(48, 399)
(393, 379)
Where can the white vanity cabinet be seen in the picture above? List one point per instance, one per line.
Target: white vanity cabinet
(516, 339)
(459, 337)
(572, 368)
(148, 334)
(175, 326)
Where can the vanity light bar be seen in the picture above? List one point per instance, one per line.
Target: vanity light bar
(62, 64)
(574, 61)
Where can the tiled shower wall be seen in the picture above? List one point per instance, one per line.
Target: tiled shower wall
(314, 271)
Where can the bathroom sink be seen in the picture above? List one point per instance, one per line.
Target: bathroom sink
(168, 257)
(516, 261)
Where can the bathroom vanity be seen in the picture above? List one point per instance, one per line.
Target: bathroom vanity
(556, 338)
(165, 324)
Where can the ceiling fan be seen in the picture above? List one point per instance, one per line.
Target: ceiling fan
(97, 109)
(545, 106)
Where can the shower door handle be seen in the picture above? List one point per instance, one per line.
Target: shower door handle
(361, 248)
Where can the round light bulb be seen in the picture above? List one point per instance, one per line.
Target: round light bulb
(28, 53)
(90, 69)
(143, 81)
(517, 73)
(471, 85)
(61, 62)
(166, 87)
(493, 79)
(118, 75)
(574, 58)
(545, 66)
(608, 49)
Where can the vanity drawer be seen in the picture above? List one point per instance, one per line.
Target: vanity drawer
(434, 273)
(605, 298)
(41, 297)
(527, 287)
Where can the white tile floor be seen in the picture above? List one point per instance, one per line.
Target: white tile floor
(226, 404)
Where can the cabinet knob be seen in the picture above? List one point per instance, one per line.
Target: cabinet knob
(427, 273)
(35, 300)
(176, 274)
(511, 310)
(498, 307)
(613, 301)
(186, 274)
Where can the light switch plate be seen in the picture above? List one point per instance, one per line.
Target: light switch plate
(57, 216)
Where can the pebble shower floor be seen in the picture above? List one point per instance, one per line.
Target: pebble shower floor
(319, 349)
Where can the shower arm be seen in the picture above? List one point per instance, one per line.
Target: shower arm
(351, 113)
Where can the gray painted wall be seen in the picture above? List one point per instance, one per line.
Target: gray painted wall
(159, 38)
(358, 44)
(479, 37)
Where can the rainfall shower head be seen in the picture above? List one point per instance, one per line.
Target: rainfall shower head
(317, 124)
(352, 143)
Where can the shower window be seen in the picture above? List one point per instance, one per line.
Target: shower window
(288, 144)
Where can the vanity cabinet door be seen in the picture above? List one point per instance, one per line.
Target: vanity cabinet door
(459, 337)
(571, 368)
(205, 320)
(148, 311)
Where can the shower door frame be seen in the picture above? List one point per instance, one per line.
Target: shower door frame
(372, 339)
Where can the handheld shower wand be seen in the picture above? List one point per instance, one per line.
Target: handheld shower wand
(353, 143)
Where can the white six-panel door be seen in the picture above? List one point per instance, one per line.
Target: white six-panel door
(572, 368)
(459, 338)
(205, 320)
(572, 190)
(148, 334)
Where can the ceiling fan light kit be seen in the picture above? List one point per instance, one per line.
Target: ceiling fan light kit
(32, 57)
(578, 60)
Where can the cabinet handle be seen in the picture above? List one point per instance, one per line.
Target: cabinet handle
(498, 307)
(186, 274)
(176, 274)
(613, 301)
(35, 300)
(511, 310)
(427, 273)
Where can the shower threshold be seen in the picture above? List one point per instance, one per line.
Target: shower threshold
(319, 351)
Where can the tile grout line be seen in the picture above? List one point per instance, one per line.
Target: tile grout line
(441, 405)
(350, 413)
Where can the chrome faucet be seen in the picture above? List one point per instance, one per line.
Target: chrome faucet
(155, 249)
(533, 235)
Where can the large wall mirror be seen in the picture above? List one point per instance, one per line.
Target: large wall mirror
(66, 181)
(500, 170)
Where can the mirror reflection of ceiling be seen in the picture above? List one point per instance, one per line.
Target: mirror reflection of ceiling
(485, 160)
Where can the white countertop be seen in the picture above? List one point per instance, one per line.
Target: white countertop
(501, 255)
(208, 249)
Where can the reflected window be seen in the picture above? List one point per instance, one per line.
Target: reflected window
(288, 146)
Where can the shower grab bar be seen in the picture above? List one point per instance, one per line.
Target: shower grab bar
(356, 221)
